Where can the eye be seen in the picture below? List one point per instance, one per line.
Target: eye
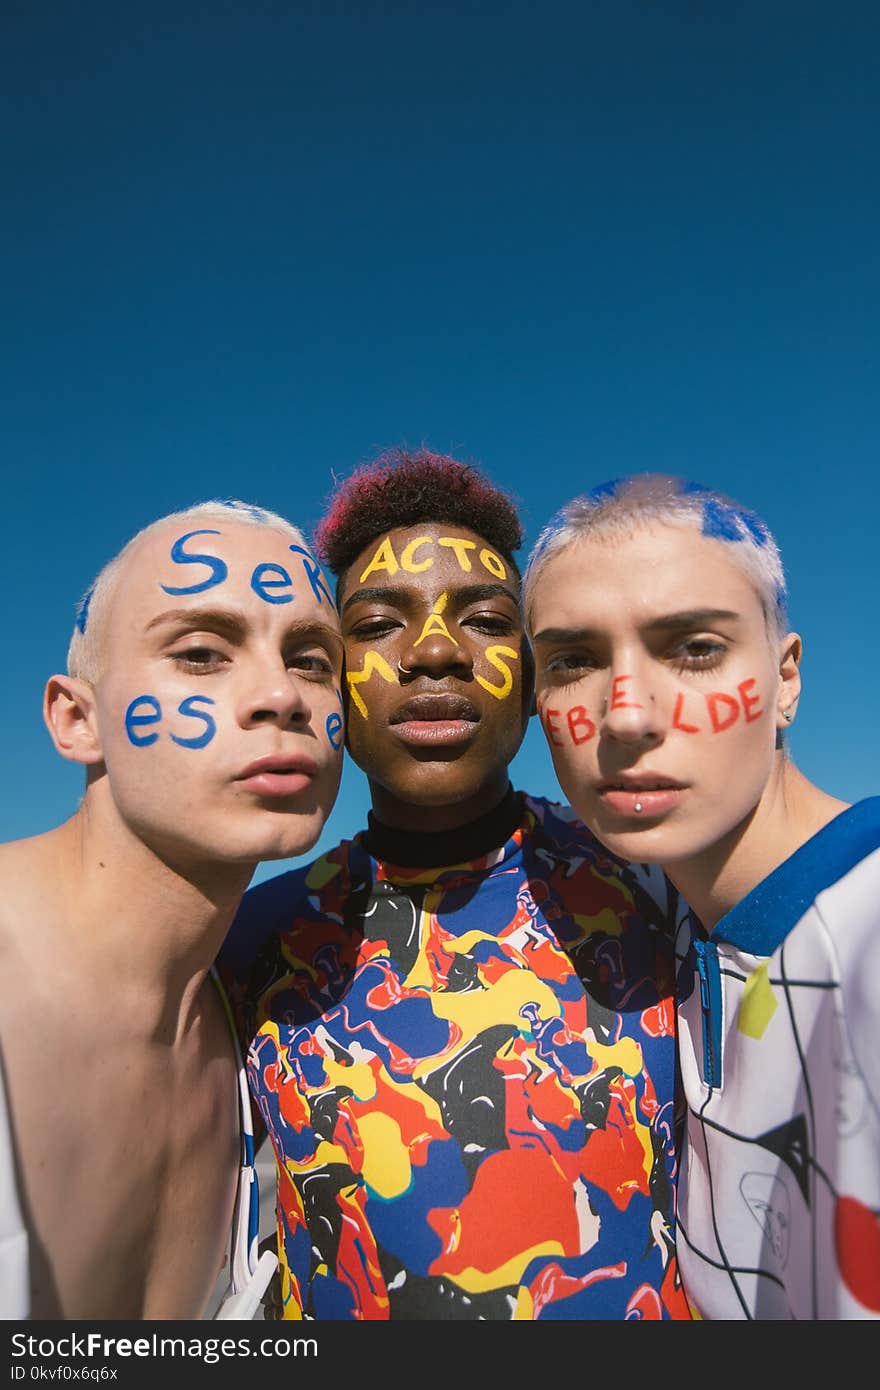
(497, 624)
(199, 660)
(315, 664)
(365, 629)
(565, 667)
(698, 654)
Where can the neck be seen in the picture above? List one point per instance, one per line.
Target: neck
(432, 849)
(134, 915)
(430, 819)
(791, 811)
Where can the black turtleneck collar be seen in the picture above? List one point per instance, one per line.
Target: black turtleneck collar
(419, 849)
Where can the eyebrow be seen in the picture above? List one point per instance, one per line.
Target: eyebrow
(667, 622)
(398, 596)
(233, 625)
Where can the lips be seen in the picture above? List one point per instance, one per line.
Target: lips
(644, 782)
(643, 797)
(278, 775)
(436, 708)
(436, 723)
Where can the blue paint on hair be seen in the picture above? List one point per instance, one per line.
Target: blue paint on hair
(603, 490)
(720, 522)
(756, 528)
(256, 513)
(82, 616)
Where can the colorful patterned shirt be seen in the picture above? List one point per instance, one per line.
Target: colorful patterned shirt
(467, 1073)
(779, 1195)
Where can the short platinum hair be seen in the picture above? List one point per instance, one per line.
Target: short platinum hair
(85, 653)
(615, 509)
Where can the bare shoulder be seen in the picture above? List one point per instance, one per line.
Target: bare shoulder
(30, 887)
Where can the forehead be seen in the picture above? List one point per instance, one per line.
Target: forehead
(190, 561)
(428, 557)
(658, 569)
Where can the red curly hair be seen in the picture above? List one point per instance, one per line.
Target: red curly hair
(405, 488)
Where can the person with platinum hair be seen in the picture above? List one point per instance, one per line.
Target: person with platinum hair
(202, 699)
(667, 678)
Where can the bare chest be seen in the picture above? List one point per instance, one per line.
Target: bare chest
(128, 1153)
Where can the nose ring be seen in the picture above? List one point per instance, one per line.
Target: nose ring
(404, 670)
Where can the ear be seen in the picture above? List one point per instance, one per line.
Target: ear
(71, 717)
(790, 652)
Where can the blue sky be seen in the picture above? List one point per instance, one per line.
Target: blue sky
(245, 247)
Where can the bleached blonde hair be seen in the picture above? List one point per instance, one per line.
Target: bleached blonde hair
(85, 652)
(616, 508)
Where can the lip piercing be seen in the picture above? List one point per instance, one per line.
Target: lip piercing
(638, 807)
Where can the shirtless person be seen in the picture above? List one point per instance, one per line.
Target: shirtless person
(203, 701)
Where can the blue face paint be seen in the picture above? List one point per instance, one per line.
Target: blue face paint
(260, 585)
(180, 557)
(82, 616)
(187, 708)
(334, 730)
(313, 570)
(132, 720)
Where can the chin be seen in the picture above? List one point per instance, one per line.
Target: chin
(645, 845)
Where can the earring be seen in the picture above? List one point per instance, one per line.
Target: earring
(787, 716)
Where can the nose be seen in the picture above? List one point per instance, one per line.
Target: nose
(630, 710)
(436, 651)
(271, 694)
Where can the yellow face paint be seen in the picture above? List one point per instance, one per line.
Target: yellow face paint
(384, 559)
(461, 548)
(493, 563)
(372, 662)
(435, 623)
(408, 561)
(493, 655)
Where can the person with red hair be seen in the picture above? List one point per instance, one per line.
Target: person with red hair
(460, 1022)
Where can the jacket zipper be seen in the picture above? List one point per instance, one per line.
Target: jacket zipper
(710, 1001)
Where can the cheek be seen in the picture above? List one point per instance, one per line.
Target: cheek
(569, 727)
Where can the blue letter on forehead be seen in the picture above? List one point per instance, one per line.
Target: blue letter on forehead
(180, 557)
(313, 570)
(260, 585)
